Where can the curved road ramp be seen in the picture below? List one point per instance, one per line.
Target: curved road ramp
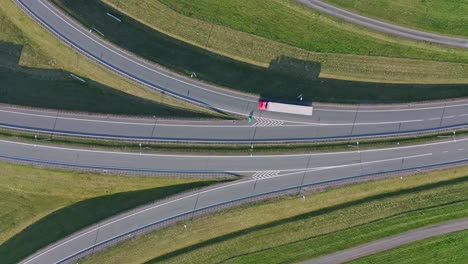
(383, 26)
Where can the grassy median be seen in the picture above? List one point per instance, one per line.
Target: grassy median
(40, 206)
(293, 229)
(449, 248)
(226, 148)
(285, 78)
(35, 71)
(446, 17)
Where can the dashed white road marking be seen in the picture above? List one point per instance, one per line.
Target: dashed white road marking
(266, 122)
(265, 174)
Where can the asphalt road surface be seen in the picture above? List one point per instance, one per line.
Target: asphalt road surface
(391, 242)
(383, 26)
(327, 122)
(335, 123)
(266, 174)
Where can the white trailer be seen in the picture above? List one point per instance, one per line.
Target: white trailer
(285, 108)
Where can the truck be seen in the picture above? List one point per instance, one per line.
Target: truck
(285, 108)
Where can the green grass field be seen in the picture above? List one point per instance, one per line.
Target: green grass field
(290, 23)
(446, 17)
(271, 82)
(33, 74)
(291, 229)
(40, 206)
(449, 248)
(262, 51)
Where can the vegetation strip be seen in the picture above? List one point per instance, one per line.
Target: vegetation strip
(443, 17)
(252, 49)
(295, 229)
(392, 242)
(41, 206)
(272, 82)
(226, 149)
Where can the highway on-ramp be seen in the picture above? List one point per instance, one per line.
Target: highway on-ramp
(384, 26)
(266, 174)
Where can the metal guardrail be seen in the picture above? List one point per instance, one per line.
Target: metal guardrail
(297, 140)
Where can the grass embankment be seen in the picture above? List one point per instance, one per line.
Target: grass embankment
(445, 17)
(449, 248)
(285, 77)
(35, 71)
(40, 206)
(265, 30)
(225, 149)
(262, 51)
(292, 229)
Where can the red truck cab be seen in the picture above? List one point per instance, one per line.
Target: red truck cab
(262, 105)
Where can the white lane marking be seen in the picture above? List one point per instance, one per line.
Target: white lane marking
(460, 149)
(202, 192)
(434, 118)
(271, 122)
(351, 165)
(393, 110)
(263, 121)
(447, 117)
(444, 151)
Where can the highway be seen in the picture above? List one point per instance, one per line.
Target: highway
(327, 122)
(265, 174)
(383, 26)
(391, 242)
(335, 123)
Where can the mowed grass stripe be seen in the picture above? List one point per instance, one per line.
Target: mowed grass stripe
(250, 48)
(447, 17)
(292, 229)
(285, 78)
(449, 248)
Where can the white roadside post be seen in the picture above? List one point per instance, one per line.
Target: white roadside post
(77, 78)
(114, 17)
